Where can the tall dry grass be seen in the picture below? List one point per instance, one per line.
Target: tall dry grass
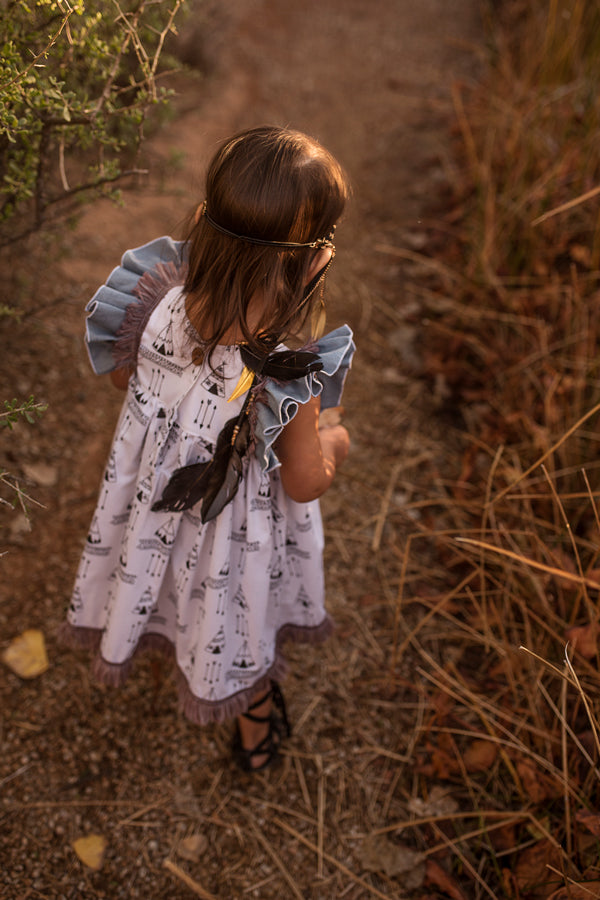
(508, 677)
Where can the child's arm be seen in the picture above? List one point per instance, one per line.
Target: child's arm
(120, 377)
(309, 457)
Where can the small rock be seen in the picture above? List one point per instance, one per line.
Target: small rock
(41, 473)
(192, 847)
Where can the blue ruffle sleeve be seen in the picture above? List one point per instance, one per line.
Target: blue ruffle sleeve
(106, 309)
(335, 350)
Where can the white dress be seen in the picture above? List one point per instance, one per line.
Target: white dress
(222, 596)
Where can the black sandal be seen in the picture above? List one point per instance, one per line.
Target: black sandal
(269, 746)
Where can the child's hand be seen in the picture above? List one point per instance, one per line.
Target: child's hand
(335, 443)
(330, 417)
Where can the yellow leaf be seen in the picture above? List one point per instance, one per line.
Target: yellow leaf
(26, 654)
(90, 850)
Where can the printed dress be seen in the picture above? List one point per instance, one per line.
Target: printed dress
(221, 596)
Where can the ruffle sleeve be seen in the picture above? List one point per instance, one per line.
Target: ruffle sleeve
(106, 310)
(280, 402)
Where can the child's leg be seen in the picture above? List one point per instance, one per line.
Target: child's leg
(252, 733)
(259, 730)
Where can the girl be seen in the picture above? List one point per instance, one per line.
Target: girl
(207, 538)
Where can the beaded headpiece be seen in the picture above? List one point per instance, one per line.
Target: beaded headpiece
(319, 244)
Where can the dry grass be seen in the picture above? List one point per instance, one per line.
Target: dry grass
(507, 657)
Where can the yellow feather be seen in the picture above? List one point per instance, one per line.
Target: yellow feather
(318, 319)
(243, 384)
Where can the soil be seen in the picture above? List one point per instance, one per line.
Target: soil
(372, 82)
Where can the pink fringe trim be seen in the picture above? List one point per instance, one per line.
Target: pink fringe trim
(197, 710)
(150, 290)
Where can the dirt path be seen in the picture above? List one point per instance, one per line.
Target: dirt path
(372, 82)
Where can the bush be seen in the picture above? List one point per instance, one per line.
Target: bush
(77, 79)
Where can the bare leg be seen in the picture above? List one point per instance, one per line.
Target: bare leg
(252, 733)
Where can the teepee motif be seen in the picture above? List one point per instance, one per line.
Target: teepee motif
(214, 382)
(163, 342)
(166, 532)
(94, 537)
(217, 644)
(143, 495)
(243, 658)
(111, 469)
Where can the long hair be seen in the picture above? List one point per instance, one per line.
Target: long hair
(269, 183)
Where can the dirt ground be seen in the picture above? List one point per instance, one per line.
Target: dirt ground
(372, 82)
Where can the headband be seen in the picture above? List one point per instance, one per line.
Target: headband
(319, 244)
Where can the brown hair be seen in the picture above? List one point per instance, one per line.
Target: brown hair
(274, 184)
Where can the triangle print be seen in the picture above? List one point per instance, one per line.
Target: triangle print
(243, 658)
(163, 343)
(214, 383)
(217, 644)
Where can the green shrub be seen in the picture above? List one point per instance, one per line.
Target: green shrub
(76, 82)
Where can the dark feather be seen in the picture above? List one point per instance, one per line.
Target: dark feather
(282, 365)
(214, 482)
(185, 487)
(226, 470)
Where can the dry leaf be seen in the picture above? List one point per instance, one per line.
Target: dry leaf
(590, 819)
(533, 784)
(581, 254)
(480, 756)
(531, 873)
(439, 878)
(584, 638)
(439, 803)
(91, 850)
(192, 847)
(26, 654)
(378, 854)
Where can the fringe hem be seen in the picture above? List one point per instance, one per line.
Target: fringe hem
(150, 289)
(197, 710)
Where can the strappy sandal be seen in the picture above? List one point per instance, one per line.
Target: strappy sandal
(269, 746)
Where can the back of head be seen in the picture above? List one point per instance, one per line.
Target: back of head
(268, 184)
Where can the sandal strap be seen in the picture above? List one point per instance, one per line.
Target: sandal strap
(252, 716)
(276, 695)
(279, 702)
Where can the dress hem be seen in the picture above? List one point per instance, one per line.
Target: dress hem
(197, 710)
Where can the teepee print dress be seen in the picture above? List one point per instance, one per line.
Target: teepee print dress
(221, 596)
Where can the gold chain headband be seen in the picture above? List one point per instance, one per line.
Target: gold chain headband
(319, 244)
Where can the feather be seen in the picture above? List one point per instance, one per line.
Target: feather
(282, 365)
(184, 489)
(214, 482)
(244, 383)
(226, 469)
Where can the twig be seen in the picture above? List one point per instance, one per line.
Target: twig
(15, 774)
(339, 865)
(582, 198)
(189, 882)
(385, 505)
(548, 453)
(276, 859)
(320, 815)
(551, 570)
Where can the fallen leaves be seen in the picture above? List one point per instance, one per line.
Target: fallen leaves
(378, 853)
(91, 850)
(480, 756)
(26, 654)
(584, 639)
(590, 820)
